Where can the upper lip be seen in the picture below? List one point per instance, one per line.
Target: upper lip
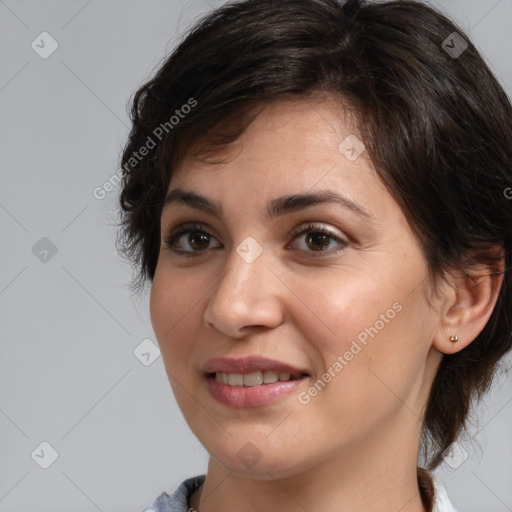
(248, 365)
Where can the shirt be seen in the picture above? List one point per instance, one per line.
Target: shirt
(178, 501)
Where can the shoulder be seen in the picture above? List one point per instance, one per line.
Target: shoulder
(441, 501)
(178, 500)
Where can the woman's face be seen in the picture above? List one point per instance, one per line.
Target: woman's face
(347, 309)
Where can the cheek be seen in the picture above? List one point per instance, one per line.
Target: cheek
(368, 336)
(175, 325)
(171, 306)
(161, 306)
(340, 311)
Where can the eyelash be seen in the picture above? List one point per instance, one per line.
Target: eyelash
(197, 228)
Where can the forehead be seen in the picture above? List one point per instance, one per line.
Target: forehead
(298, 134)
(292, 148)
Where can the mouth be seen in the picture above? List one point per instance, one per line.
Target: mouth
(252, 381)
(256, 378)
(253, 389)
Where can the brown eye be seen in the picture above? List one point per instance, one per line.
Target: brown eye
(318, 240)
(197, 242)
(198, 239)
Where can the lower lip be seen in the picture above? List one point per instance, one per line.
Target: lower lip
(253, 396)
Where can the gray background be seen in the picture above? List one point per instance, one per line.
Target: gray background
(69, 375)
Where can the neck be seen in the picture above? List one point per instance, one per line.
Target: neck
(380, 477)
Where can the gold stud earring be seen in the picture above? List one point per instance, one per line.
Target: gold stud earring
(454, 338)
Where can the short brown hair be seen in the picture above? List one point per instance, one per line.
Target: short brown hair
(437, 127)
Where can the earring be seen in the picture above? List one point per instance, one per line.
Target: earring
(454, 338)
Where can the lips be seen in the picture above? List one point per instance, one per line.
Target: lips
(250, 364)
(252, 381)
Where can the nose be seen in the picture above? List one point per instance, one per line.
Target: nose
(247, 296)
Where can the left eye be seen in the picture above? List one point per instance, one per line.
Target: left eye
(319, 236)
(198, 239)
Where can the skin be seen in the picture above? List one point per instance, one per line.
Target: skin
(354, 445)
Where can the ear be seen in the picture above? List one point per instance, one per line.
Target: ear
(468, 304)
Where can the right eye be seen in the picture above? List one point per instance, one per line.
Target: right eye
(198, 239)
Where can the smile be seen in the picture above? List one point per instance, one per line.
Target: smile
(253, 378)
(254, 389)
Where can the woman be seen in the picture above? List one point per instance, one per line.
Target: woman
(316, 191)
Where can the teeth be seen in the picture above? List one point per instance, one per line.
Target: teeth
(283, 376)
(236, 379)
(270, 376)
(252, 379)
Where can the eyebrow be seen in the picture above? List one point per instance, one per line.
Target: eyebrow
(275, 208)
